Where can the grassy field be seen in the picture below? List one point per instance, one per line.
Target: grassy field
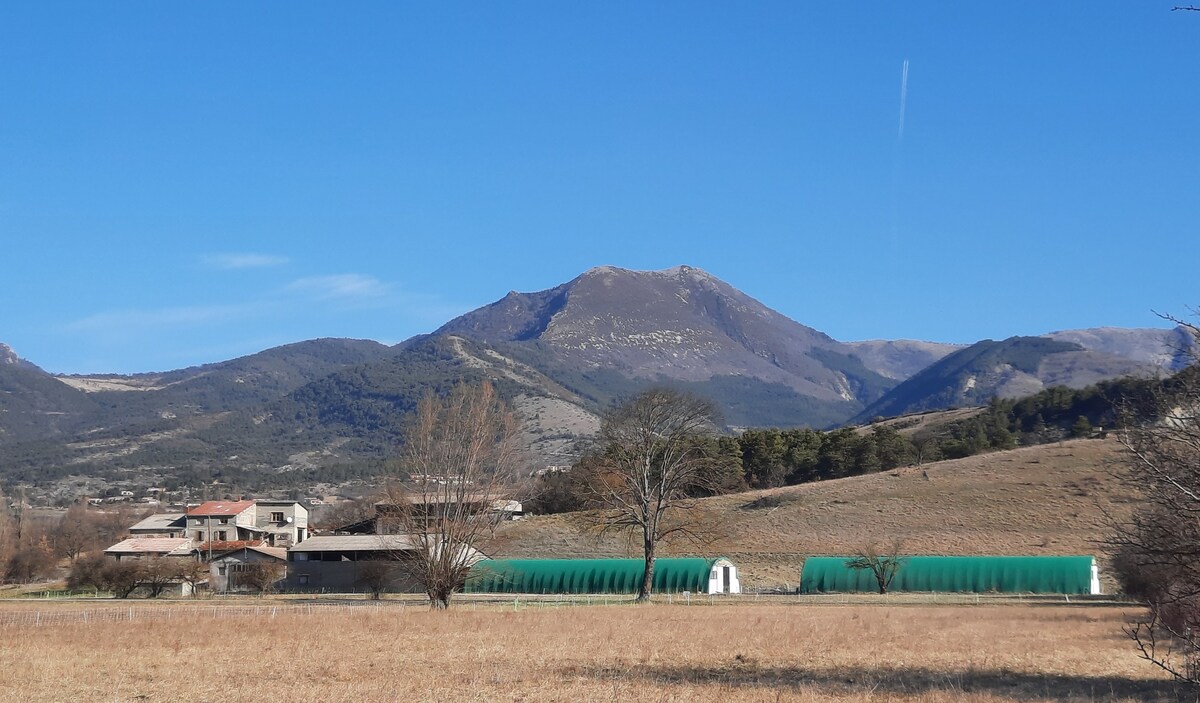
(1049, 499)
(654, 653)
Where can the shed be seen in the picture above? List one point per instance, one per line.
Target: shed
(226, 569)
(671, 575)
(959, 574)
(337, 563)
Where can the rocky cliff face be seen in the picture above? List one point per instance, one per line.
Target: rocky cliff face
(7, 355)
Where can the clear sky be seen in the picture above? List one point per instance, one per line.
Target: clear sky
(189, 182)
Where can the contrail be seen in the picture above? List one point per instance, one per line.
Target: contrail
(903, 97)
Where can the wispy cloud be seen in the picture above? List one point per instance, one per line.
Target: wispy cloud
(347, 304)
(345, 286)
(130, 321)
(230, 261)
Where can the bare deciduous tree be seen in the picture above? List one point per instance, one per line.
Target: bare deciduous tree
(192, 572)
(259, 576)
(157, 574)
(925, 445)
(653, 459)
(347, 513)
(75, 532)
(460, 460)
(376, 576)
(121, 577)
(1157, 552)
(883, 564)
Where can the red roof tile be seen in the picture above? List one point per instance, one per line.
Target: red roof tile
(221, 508)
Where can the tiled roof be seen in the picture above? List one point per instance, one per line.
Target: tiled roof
(221, 508)
(170, 546)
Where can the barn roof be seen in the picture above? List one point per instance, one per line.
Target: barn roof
(164, 522)
(228, 545)
(355, 543)
(169, 546)
(221, 508)
(956, 574)
(275, 552)
(587, 575)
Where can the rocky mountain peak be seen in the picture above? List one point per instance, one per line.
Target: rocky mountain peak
(7, 355)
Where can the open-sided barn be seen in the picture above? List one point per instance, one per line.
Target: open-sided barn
(958, 574)
(671, 575)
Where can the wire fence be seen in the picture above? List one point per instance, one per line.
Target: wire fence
(70, 612)
(134, 614)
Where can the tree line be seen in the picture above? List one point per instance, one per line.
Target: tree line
(771, 458)
(35, 547)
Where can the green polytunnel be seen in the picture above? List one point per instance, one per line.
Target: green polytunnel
(958, 574)
(671, 575)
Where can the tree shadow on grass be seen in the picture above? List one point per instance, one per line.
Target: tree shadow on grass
(743, 672)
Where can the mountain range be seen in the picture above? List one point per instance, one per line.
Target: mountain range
(329, 410)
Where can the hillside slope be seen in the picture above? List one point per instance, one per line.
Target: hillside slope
(1049, 499)
(35, 405)
(899, 359)
(1011, 368)
(1162, 348)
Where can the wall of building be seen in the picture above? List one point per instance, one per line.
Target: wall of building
(717, 581)
(291, 530)
(343, 577)
(219, 582)
(199, 528)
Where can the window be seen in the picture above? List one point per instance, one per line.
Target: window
(199, 535)
(221, 570)
(303, 579)
(276, 517)
(224, 521)
(221, 535)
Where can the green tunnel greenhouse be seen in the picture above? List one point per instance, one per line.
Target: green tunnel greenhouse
(958, 574)
(671, 575)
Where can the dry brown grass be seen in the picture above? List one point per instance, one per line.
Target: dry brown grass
(656, 653)
(1050, 499)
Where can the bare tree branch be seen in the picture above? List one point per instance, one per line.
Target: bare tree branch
(653, 459)
(460, 460)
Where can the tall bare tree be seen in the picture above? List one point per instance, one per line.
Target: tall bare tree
(75, 532)
(1157, 552)
(460, 460)
(653, 459)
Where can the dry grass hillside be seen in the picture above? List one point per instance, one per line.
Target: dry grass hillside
(1050, 499)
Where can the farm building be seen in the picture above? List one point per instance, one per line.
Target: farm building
(958, 574)
(343, 563)
(230, 571)
(697, 575)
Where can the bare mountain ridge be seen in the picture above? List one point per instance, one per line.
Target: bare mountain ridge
(1163, 348)
(1011, 368)
(680, 323)
(561, 355)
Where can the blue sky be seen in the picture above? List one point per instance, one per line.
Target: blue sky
(184, 183)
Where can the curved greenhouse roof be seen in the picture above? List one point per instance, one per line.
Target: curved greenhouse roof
(587, 575)
(958, 574)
